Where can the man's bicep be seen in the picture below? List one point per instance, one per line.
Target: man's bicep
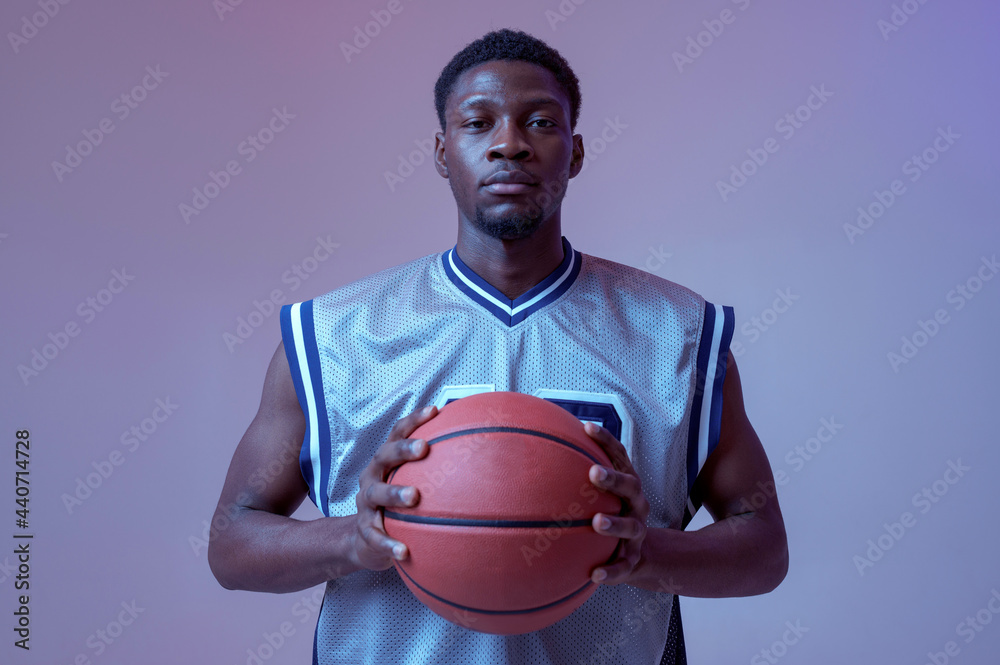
(264, 473)
(736, 477)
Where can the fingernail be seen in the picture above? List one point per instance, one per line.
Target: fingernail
(428, 409)
(600, 575)
(604, 522)
(415, 445)
(602, 473)
(399, 551)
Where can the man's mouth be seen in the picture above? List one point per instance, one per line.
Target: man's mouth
(505, 183)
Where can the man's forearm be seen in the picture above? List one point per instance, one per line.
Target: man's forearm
(742, 555)
(261, 551)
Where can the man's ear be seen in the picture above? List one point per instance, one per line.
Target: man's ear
(440, 160)
(576, 161)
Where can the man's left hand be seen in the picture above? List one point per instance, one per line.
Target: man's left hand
(620, 480)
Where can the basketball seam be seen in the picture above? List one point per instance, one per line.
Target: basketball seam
(464, 522)
(512, 430)
(493, 612)
(512, 524)
(515, 430)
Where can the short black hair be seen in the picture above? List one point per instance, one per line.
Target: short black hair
(508, 44)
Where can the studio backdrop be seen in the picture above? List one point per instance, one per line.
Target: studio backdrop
(173, 172)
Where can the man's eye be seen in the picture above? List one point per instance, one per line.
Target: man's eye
(476, 124)
(545, 122)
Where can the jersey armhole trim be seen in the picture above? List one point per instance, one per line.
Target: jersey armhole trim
(706, 408)
(299, 335)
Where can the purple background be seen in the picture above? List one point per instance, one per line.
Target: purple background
(649, 199)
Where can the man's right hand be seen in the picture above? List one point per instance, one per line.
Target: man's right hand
(371, 547)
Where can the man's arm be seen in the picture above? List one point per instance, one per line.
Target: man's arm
(743, 553)
(256, 546)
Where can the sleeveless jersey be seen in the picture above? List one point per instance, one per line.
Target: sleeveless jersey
(640, 355)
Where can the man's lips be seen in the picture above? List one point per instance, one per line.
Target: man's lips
(509, 182)
(502, 188)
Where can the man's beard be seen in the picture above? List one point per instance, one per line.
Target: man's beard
(508, 227)
(515, 226)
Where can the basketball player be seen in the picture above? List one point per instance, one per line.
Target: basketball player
(512, 306)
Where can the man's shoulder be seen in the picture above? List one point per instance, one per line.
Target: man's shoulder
(622, 279)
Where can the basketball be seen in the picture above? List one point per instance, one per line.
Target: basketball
(501, 540)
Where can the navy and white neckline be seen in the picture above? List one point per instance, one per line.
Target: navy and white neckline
(512, 312)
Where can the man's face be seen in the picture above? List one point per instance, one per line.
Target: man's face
(508, 150)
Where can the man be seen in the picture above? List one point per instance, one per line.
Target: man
(511, 307)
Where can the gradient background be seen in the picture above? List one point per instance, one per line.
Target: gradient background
(648, 199)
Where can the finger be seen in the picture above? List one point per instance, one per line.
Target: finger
(614, 573)
(625, 485)
(393, 453)
(378, 495)
(619, 527)
(376, 539)
(404, 426)
(612, 447)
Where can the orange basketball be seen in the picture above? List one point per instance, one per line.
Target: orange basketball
(501, 539)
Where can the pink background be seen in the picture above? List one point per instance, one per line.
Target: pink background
(648, 199)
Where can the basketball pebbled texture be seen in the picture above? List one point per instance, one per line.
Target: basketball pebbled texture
(501, 539)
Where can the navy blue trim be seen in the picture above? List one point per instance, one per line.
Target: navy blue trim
(291, 354)
(569, 267)
(319, 396)
(717, 376)
(704, 350)
(317, 494)
(467, 290)
(601, 412)
(715, 419)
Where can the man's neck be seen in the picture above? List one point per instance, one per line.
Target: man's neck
(512, 266)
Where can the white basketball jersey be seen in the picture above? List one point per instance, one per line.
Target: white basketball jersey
(640, 355)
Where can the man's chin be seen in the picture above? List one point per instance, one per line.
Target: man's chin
(507, 227)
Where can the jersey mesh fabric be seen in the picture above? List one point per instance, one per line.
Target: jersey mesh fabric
(407, 337)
